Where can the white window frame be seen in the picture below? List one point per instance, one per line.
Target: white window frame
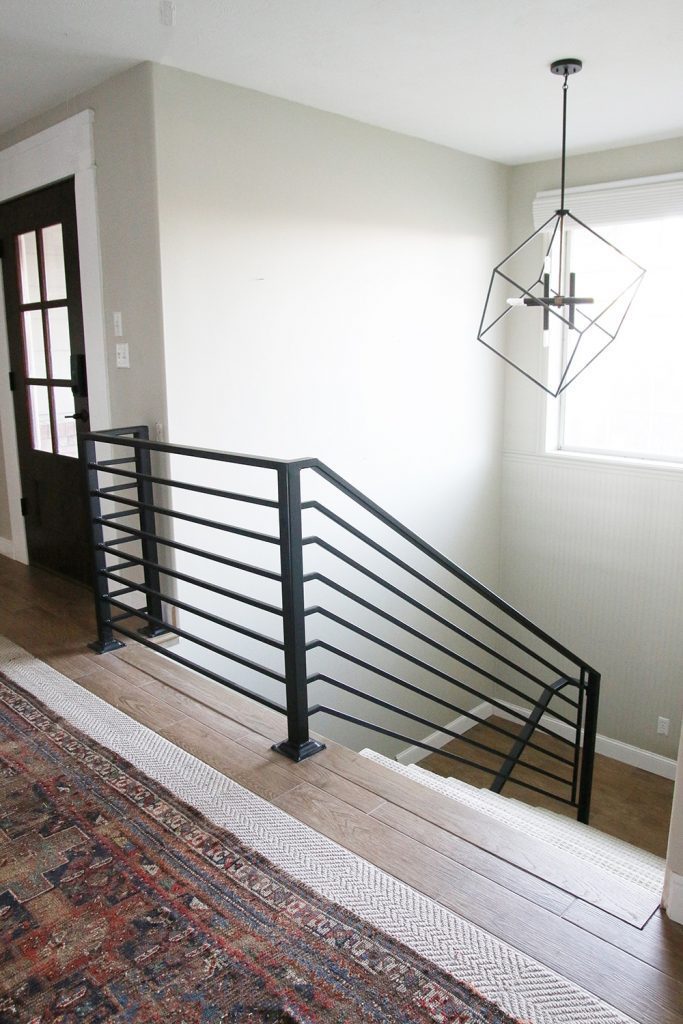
(598, 206)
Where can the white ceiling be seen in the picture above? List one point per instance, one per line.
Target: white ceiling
(471, 74)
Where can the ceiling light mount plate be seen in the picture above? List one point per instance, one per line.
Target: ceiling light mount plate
(566, 66)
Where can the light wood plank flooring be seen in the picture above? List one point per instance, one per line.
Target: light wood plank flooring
(368, 809)
(627, 802)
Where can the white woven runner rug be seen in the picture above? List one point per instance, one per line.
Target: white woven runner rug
(523, 987)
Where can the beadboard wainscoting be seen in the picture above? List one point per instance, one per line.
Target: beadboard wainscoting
(593, 551)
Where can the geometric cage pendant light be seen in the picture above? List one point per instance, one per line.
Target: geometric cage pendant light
(545, 316)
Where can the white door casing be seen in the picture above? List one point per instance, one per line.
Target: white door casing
(65, 150)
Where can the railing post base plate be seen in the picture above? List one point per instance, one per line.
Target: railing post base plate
(153, 631)
(298, 751)
(106, 648)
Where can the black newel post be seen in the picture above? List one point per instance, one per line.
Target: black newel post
(590, 730)
(298, 744)
(105, 638)
(143, 467)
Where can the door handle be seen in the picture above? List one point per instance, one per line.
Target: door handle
(82, 415)
(79, 379)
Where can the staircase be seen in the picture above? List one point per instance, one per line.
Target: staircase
(627, 865)
(283, 582)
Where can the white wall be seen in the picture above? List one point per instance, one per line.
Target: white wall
(322, 283)
(594, 550)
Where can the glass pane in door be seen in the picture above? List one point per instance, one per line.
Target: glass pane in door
(60, 344)
(39, 409)
(66, 428)
(53, 255)
(34, 344)
(27, 252)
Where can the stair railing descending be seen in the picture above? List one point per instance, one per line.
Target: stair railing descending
(483, 645)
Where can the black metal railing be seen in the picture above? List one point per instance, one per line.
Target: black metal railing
(398, 637)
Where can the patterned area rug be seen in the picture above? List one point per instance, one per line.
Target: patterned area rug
(119, 901)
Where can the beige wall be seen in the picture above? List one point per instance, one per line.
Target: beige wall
(322, 284)
(594, 551)
(127, 207)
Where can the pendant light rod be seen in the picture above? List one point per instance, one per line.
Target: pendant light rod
(566, 66)
(564, 138)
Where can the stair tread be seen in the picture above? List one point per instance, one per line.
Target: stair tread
(624, 861)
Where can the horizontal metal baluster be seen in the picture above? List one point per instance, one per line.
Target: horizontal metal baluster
(206, 644)
(231, 562)
(197, 520)
(115, 487)
(184, 485)
(421, 607)
(424, 638)
(379, 702)
(323, 645)
(228, 683)
(415, 661)
(416, 574)
(324, 709)
(193, 610)
(133, 534)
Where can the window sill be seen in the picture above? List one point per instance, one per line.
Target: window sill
(621, 463)
(618, 460)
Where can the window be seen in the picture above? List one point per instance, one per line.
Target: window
(629, 402)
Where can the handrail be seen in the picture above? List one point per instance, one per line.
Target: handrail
(120, 436)
(215, 630)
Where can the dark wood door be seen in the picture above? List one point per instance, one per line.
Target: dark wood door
(39, 248)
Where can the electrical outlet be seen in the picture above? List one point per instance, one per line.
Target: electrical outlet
(663, 726)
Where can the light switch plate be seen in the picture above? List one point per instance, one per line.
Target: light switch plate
(122, 355)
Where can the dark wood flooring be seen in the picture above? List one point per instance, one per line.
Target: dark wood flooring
(456, 858)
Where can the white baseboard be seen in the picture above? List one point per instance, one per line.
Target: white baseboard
(6, 547)
(618, 751)
(411, 755)
(672, 901)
